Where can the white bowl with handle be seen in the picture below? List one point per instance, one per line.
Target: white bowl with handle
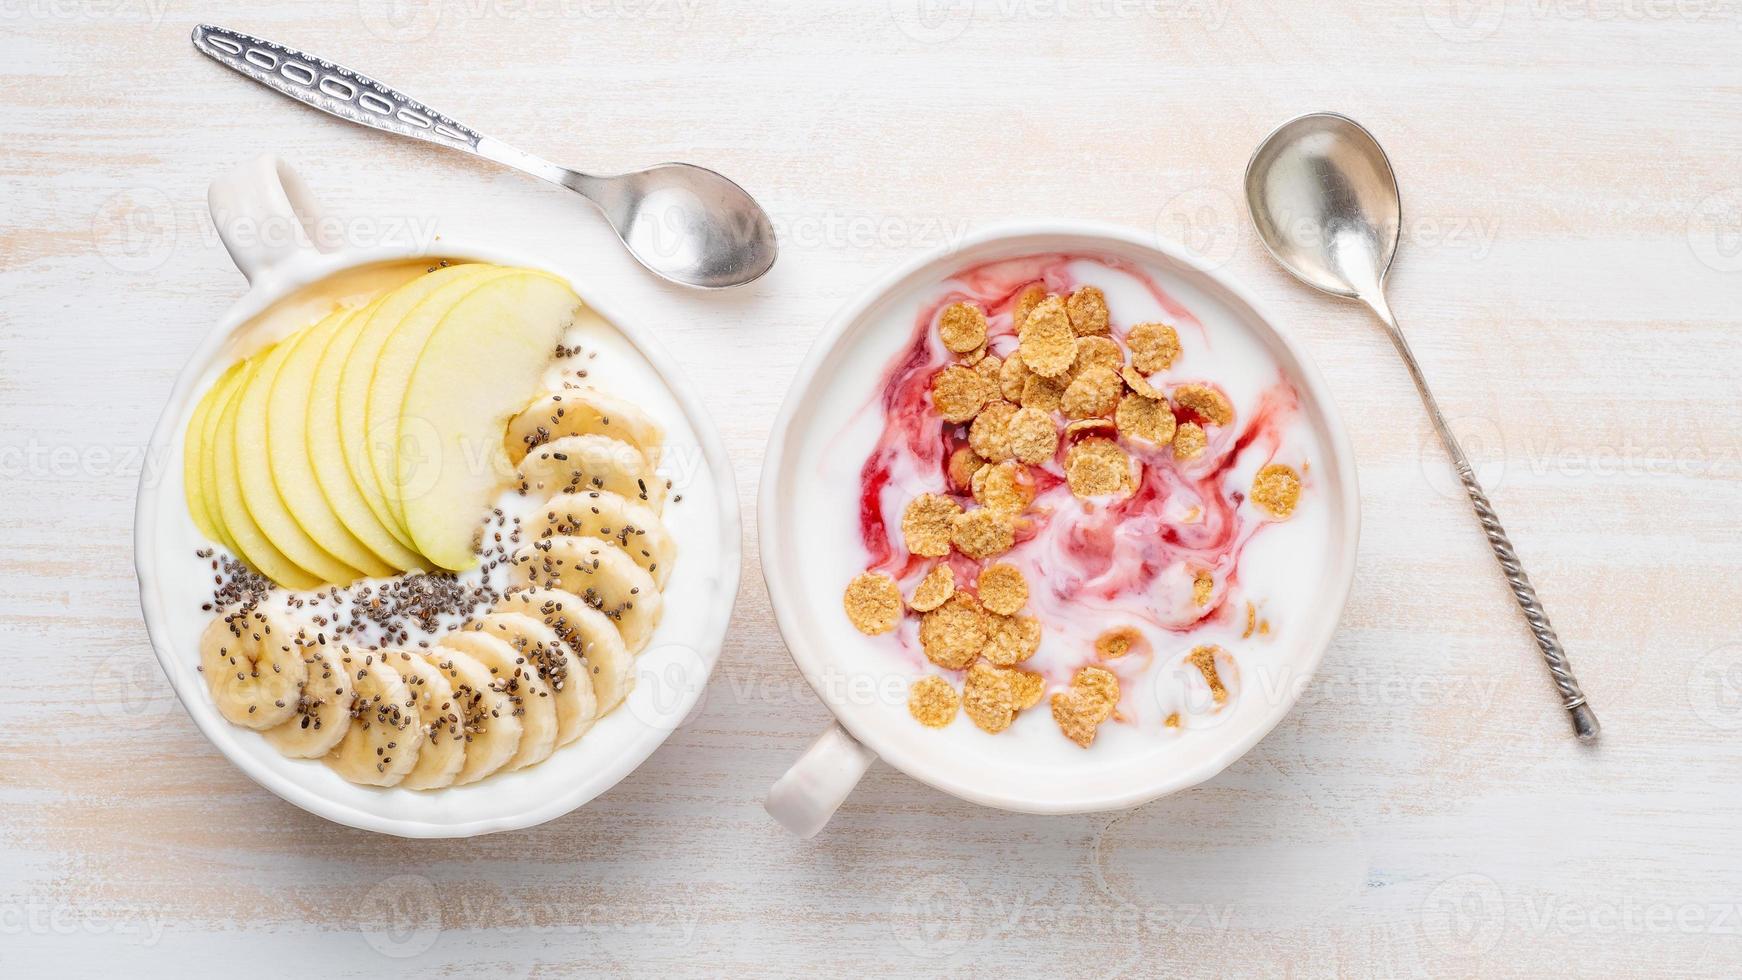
(866, 690)
(264, 215)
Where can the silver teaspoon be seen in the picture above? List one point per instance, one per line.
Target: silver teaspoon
(683, 222)
(1325, 201)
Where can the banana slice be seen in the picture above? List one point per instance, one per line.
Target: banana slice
(592, 462)
(557, 665)
(444, 734)
(580, 412)
(492, 729)
(513, 674)
(386, 732)
(253, 667)
(323, 711)
(634, 528)
(587, 631)
(601, 574)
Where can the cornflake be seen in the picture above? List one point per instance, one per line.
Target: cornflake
(1046, 343)
(958, 393)
(987, 698)
(1145, 419)
(952, 634)
(1098, 352)
(991, 367)
(1027, 687)
(962, 327)
(1097, 466)
(983, 533)
(1098, 427)
(1087, 308)
(928, 523)
(1153, 346)
(1205, 402)
(1189, 441)
(932, 701)
(1002, 589)
(990, 434)
(933, 590)
(1011, 639)
(1094, 393)
(873, 603)
(1030, 297)
(1203, 588)
(1204, 659)
(1117, 642)
(1033, 436)
(1080, 711)
(1005, 489)
(1044, 394)
(964, 463)
(1012, 376)
(1139, 383)
(1276, 489)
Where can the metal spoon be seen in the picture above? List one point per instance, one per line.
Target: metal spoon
(683, 222)
(1325, 201)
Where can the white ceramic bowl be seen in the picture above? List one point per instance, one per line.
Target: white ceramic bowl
(838, 662)
(257, 211)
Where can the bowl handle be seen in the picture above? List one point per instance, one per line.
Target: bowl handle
(806, 797)
(266, 217)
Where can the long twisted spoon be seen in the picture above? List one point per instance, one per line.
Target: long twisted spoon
(685, 223)
(1325, 202)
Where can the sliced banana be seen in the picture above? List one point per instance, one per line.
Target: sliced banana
(601, 574)
(592, 462)
(386, 732)
(580, 412)
(513, 674)
(492, 729)
(323, 710)
(557, 665)
(588, 633)
(253, 667)
(443, 752)
(634, 528)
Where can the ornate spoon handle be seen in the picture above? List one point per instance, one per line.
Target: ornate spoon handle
(1584, 720)
(357, 98)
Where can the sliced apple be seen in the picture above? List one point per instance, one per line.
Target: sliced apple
(252, 544)
(484, 361)
(254, 473)
(287, 452)
(393, 368)
(231, 381)
(357, 359)
(326, 450)
(195, 450)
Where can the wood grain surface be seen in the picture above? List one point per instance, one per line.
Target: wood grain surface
(1571, 275)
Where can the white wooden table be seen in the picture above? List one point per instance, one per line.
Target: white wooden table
(1572, 276)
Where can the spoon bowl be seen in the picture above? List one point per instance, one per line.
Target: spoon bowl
(687, 223)
(1325, 203)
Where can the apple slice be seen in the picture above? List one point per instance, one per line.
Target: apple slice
(326, 451)
(484, 362)
(194, 456)
(287, 449)
(252, 545)
(231, 381)
(357, 359)
(254, 473)
(393, 367)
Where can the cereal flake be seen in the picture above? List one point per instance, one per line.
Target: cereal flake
(1005, 489)
(933, 590)
(1097, 466)
(1027, 687)
(1002, 588)
(1046, 342)
(1093, 394)
(1276, 489)
(1145, 419)
(1189, 441)
(1087, 308)
(962, 327)
(1205, 402)
(1043, 394)
(1011, 639)
(1033, 436)
(932, 701)
(1204, 659)
(1153, 346)
(987, 698)
(990, 434)
(952, 634)
(958, 393)
(964, 463)
(1118, 641)
(928, 523)
(983, 533)
(873, 603)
